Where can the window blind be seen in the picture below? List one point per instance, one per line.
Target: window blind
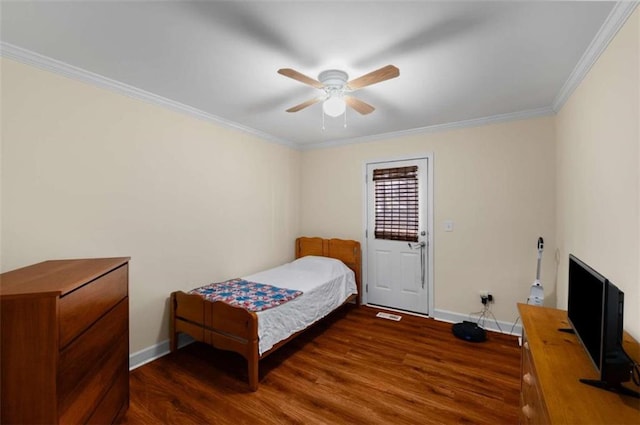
(396, 203)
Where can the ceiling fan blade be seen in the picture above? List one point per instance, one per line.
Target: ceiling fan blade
(305, 104)
(385, 73)
(292, 73)
(360, 106)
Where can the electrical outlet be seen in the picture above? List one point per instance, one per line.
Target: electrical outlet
(486, 297)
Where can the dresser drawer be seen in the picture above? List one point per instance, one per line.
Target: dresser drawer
(82, 400)
(114, 402)
(82, 307)
(83, 356)
(532, 408)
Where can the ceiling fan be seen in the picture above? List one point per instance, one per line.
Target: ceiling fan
(335, 85)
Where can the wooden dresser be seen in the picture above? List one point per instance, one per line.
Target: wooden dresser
(552, 364)
(65, 342)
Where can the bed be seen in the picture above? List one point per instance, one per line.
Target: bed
(255, 335)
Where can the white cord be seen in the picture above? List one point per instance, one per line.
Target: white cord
(514, 325)
(484, 314)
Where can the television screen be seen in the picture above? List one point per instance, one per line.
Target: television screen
(585, 306)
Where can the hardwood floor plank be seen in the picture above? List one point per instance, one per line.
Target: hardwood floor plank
(352, 368)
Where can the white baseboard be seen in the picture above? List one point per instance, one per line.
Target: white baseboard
(156, 351)
(489, 324)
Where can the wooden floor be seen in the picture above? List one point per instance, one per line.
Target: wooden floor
(353, 368)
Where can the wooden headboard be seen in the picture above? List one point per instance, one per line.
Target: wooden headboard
(347, 251)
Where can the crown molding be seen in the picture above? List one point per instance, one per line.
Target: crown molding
(58, 67)
(475, 122)
(616, 19)
(619, 14)
(46, 63)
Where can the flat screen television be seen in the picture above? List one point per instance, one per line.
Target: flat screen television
(596, 310)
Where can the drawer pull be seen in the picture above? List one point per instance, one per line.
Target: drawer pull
(527, 378)
(527, 411)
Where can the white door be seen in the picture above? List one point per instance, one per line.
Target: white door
(397, 240)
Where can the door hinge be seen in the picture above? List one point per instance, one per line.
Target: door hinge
(366, 287)
(366, 233)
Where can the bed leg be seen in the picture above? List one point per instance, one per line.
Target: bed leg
(252, 366)
(253, 376)
(173, 340)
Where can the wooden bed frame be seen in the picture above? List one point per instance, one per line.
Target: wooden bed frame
(236, 329)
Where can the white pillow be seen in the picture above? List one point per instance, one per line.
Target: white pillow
(328, 268)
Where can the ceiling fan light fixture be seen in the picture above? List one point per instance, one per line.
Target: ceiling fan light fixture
(334, 106)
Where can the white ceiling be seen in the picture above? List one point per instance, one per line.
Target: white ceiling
(458, 61)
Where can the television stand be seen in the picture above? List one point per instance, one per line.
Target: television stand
(615, 388)
(552, 364)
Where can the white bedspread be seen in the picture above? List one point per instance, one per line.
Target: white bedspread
(325, 282)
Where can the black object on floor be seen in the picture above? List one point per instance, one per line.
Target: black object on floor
(469, 331)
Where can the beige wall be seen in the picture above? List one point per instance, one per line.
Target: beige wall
(1, 172)
(598, 162)
(87, 173)
(496, 182)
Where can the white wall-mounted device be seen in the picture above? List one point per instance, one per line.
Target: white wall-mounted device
(536, 295)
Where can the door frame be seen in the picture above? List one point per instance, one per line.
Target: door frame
(429, 222)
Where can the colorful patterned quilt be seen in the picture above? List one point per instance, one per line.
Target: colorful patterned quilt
(251, 296)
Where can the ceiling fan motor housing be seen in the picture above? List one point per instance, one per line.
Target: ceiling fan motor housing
(333, 79)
